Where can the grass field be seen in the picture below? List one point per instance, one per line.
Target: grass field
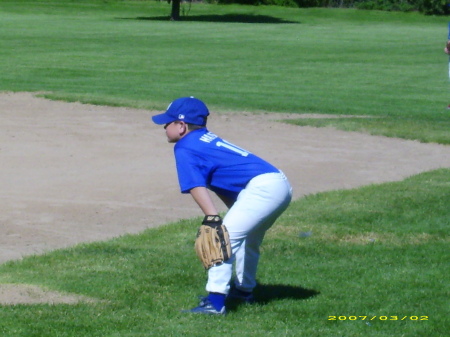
(388, 65)
(364, 262)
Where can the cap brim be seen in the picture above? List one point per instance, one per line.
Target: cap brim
(162, 119)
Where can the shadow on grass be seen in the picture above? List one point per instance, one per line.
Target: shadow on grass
(227, 18)
(266, 293)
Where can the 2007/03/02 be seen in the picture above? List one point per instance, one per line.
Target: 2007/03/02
(380, 318)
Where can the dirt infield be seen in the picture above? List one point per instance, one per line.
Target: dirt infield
(72, 173)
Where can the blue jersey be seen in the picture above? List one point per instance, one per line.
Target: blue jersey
(205, 160)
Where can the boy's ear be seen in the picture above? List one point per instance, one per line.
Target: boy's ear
(184, 128)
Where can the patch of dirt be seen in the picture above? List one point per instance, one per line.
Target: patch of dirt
(73, 173)
(14, 294)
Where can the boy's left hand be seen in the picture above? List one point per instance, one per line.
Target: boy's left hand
(212, 244)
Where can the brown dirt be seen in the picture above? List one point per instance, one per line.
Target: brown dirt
(72, 173)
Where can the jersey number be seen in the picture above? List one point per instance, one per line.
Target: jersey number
(233, 148)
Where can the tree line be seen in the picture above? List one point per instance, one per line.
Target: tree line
(427, 7)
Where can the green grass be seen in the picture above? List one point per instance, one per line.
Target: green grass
(372, 251)
(423, 128)
(388, 65)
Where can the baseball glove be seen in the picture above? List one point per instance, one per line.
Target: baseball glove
(212, 244)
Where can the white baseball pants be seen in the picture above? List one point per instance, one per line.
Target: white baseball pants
(257, 207)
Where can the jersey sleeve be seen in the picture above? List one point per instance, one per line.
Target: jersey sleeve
(192, 170)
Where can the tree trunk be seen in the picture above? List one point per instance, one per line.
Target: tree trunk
(175, 15)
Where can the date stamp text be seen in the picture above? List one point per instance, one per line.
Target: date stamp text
(378, 318)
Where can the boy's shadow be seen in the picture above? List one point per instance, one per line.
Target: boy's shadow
(265, 293)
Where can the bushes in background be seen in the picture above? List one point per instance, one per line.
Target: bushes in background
(429, 7)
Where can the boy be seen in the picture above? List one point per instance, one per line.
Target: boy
(255, 192)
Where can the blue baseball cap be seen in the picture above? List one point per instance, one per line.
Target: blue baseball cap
(186, 109)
